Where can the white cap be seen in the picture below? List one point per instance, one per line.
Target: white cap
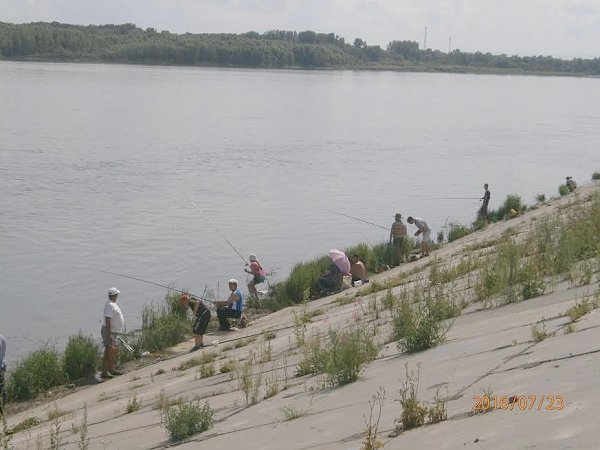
(113, 291)
(232, 281)
(252, 257)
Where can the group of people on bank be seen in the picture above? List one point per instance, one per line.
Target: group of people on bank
(113, 322)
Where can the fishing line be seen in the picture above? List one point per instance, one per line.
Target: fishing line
(155, 284)
(356, 218)
(222, 235)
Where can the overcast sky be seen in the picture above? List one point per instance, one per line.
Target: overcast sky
(563, 28)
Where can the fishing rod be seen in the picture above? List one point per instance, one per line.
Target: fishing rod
(155, 284)
(356, 218)
(223, 236)
(454, 198)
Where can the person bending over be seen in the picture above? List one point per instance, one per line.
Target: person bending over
(422, 228)
(202, 318)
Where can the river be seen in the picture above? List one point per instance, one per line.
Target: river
(101, 165)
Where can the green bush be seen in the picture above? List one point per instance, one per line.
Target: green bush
(187, 419)
(81, 357)
(512, 201)
(457, 231)
(563, 190)
(164, 326)
(596, 176)
(342, 357)
(417, 327)
(36, 373)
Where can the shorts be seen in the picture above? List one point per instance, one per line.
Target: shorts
(104, 334)
(259, 279)
(427, 235)
(201, 322)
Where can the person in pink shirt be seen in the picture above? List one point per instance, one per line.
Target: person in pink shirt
(258, 275)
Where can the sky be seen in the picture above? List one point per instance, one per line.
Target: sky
(560, 28)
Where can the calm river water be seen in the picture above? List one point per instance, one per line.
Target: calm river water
(100, 166)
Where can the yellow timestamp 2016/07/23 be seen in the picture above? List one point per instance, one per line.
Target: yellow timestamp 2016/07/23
(518, 402)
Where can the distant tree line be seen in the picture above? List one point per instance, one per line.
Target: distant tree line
(277, 48)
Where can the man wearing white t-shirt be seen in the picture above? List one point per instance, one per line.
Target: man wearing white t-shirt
(113, 324)
(424, 230)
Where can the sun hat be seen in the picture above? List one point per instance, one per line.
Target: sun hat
(113, 291)
(252, 257)
(232, 281)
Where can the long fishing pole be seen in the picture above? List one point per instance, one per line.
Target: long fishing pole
(356, 218)
(223, 236)
(454, 198)
(155, 284)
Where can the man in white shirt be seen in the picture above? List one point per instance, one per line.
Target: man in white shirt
(422, 228)
(113, 324)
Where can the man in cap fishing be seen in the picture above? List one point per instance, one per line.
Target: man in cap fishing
(230, 308)
(423, 229)
(113, 324)
(398, 239)
(258, 275)
(202, 315)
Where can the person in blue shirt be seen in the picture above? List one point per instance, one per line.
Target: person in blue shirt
(230, 308)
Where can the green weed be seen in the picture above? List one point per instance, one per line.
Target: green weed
(188, 419)
(81, 358)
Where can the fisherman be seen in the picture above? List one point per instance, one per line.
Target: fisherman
(258, 275)
(571, 184)
(398, 239)
(202, 317)
(358, 270)
(482, 213)
(113, 324)
(3, 396)
(230, 308)
(330, 281)
(422, 228)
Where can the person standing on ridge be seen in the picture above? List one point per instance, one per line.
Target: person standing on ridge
(398, 239)
(482, 213)
(258, 275)
(202, 315)
(113, 324)
(3, 396)
(422, 228)
(230, 308)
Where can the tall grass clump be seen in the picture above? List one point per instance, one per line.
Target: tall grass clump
(511, 202)
(341, 355)
(457, 231)
(187, 419)
(563, 190)
(417, 326)
(82, 355)
(39, 371)
(596, 176)
(164, 325)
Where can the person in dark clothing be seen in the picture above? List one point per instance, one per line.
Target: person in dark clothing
(3, 396)
(202, 315)
(330, 281)
(482, 213)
